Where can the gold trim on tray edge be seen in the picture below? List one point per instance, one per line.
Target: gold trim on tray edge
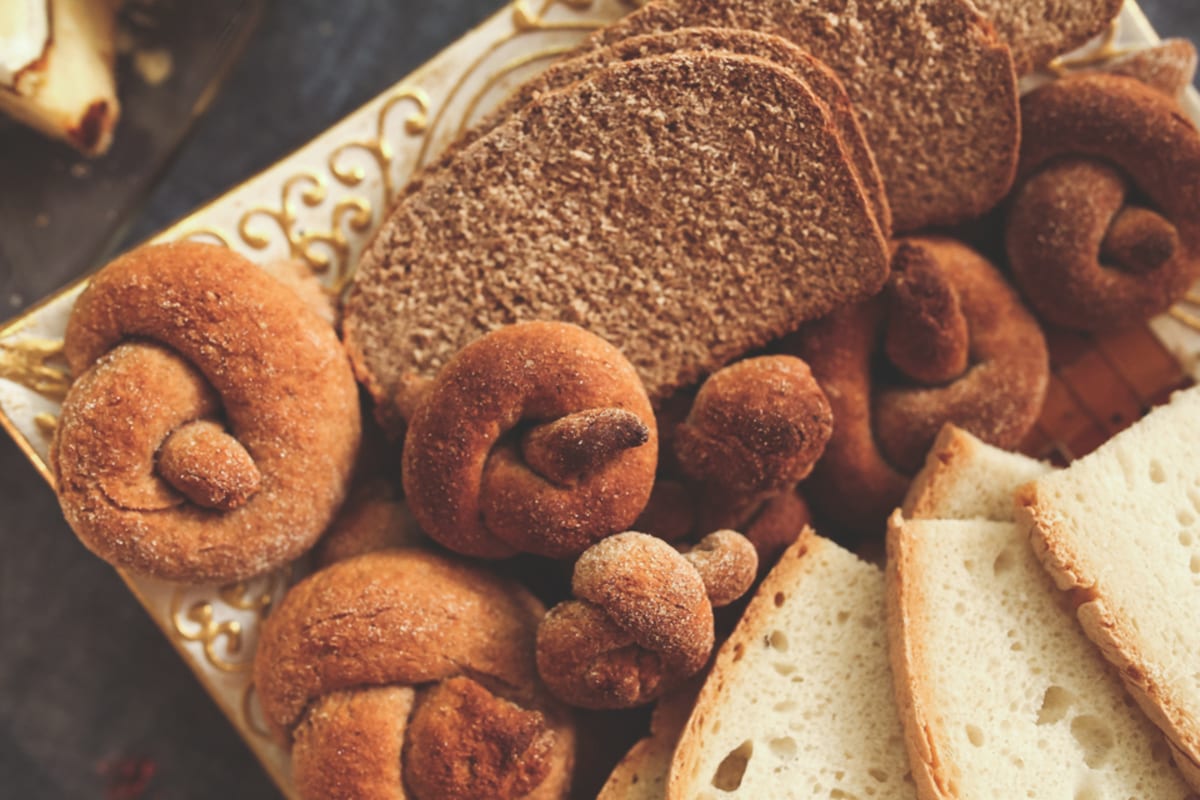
(325, 250)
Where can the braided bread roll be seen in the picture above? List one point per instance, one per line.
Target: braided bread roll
(213, 424)
(537, 438)
(1104, 231)
(404, 673)
(956, 345)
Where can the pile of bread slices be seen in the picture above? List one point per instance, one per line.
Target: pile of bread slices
(693, 288)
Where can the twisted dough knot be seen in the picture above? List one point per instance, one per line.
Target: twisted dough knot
(755, 430)
(213, 425)
(960, 348)
(537, 438)
(643, 622)
(1104, 230)
(407, 674)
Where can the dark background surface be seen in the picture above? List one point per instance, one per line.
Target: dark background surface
(90, 691)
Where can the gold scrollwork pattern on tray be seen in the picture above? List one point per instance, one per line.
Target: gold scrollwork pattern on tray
(329, 249)
(220, 635)
(37, 364)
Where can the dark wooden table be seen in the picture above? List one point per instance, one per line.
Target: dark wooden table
(93, 701)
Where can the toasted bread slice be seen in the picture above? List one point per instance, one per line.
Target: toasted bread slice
(1120, 529)
(686, 208)
(933, 85)
(799, 702)
(1000, 693)
(964, 478)
(824, 84)
(1039, 30)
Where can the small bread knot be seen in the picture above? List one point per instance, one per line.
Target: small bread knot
(727, 563)
(643, 619)
(1103, 230)
(164, 341)
(960, 348)
(208, 466)
(405, 673)
(465, 743)
(755, 426)
(537, 438)
(755, 429)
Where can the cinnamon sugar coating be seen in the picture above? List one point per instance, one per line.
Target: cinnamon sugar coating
(199, 373)
(372, 628)
(1104, 231)
(885, 420)
(536, 438)
(643, 619)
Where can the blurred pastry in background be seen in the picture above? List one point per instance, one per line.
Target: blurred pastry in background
(57, 69)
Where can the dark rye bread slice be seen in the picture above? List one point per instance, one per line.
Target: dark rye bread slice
(824, 84)
(1039, 30)
(933, 86)
(686, 208)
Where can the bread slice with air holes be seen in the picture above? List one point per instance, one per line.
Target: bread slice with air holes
(1120, 530)
(965, 478)
(1001, 695)
(799, 702)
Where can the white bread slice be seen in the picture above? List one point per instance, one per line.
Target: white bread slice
(799, 702)
(1000, 693)
(1120, 529)
(965, 478)
(642, 773)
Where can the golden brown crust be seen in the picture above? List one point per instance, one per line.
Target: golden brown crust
(643, 622)
(476, 491)
(756, 426)
(935, 780)
(927, 490)
(885, 421)
(727, 563)
(1116, 637)
(1083, 253)
(407, 618)
(372, 721)
(171, 334)
(374, 518)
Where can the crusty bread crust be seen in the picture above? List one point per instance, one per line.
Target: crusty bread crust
(1118, 640)
(929, 489)
(642, 773)
(935, 779)
(729, 662)
(704, 202)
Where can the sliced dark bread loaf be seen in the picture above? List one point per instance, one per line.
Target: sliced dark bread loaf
(819, 78)
(933, 86)
(686, 208)
(1039, 30)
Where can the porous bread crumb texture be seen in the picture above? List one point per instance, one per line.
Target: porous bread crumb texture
(1123, 525)
(933, 86)
(1012, 698)
(965, 478)
(684, 208)
(799, 703)
(1039, 30)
